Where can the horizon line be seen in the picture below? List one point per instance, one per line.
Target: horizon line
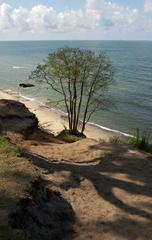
(129, 40)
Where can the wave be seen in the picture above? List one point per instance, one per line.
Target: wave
(61, 112)
(109, 129)
(28, 98)
(19, 67)
(95, 124)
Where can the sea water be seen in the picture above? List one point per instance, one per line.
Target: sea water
(131, 94)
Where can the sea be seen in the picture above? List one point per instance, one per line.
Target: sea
(131, 93)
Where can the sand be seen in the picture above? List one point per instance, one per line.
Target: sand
(54, 121)
(107, 186)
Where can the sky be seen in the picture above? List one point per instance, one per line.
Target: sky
(76, 20)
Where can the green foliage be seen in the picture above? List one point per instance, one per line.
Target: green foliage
(16, 174)
(81, 79)
(7, 148)
(142, 140)
(115, 139)
(67, 136)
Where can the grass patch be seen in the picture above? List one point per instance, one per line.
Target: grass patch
(115, 139)
(7, 148)
(118, 139)
(16, 174)
(67, 136)
(101, 141)
(142, 140)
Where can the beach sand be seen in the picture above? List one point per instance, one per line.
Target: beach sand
(107, 186)
(55, 121)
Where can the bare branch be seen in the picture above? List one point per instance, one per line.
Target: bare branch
(82, 77)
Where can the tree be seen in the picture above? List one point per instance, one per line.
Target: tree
(81, 78)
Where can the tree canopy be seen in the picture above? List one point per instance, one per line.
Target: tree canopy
(81, 79)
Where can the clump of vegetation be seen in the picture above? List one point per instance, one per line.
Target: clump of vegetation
(115, 139)
(142, 140)
(7, 148)
(81, 79)
(69, 137)
(16, 174)
(101, 141)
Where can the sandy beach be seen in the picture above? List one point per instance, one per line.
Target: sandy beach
(55, 121)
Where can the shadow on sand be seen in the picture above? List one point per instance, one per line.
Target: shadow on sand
(100, 175)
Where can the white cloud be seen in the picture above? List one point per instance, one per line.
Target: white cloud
(148, 5)
(5, 16)
(96, 15)
(42, 17)
(70, 19)
(19, 19)
(113, 14)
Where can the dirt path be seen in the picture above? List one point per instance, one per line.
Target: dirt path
(108, 186)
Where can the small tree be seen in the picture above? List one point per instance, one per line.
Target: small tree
(82, 78)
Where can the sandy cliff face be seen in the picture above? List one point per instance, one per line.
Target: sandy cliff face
(15, 117)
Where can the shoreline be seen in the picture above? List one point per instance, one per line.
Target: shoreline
(55, 120)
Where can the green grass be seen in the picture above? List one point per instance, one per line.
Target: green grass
(142, 140)
(115, 139)
(66, 136)
(16, 174)
(118, 139)
(7, 148)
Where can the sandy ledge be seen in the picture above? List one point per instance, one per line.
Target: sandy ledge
(54, 121)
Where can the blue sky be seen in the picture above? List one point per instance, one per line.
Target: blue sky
(79, 19)
(60, 4)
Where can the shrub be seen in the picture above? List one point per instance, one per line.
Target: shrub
(115, 139)
(67, 136)
(142, 140)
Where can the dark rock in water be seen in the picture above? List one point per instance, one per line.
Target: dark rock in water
(15, 117)
(26, 85)
(45, 215)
